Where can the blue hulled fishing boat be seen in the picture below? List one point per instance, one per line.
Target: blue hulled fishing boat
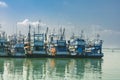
(42, 45)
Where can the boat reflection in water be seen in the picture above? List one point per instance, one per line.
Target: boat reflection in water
(50, 69)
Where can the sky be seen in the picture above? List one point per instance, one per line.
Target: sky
(92, 16)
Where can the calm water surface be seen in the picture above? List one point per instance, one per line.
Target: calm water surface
(107, 68)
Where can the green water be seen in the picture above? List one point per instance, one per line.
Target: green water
(107, 68)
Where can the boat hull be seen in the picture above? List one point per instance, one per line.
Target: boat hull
(50, 56)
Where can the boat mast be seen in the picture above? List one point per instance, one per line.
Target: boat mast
(62, 34)
(97, 36)
(29, 37)
(39, 26)
(46, 34)
(0, 25)
(81, 35)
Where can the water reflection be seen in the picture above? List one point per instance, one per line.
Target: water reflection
(50, 69)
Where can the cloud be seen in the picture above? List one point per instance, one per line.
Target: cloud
(3, 4)
(24, 22)
(27, 22)
(109, 36)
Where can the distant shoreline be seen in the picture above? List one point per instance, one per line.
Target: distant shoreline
(111, 48)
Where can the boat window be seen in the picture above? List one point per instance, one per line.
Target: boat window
(40, 43)
(38, 38)
(38, 48)
(61, 43)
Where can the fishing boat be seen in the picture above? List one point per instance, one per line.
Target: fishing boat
(80, 47)
(39, 43)
(57, 44)
(77, 46)
(16, 45)
(94, 50)
(53, 46)
(38, 47)
(3, 43)
(61, 47)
